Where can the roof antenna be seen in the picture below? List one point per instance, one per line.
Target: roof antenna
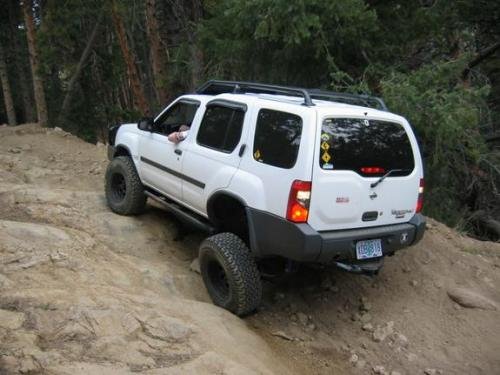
(236, 89)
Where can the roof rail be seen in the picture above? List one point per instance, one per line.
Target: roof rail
(215, 87)
(356, 99)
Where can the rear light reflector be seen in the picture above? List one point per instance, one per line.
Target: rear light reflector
(298, 201)
(372, 170)
(420, 200)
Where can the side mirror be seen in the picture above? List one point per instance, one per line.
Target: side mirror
(146, 124)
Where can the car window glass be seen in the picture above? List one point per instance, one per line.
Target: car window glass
(367, 147)
(221, 128)
(277, 138)
(181, 113)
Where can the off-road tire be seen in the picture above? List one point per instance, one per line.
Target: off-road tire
(124, 190)
(226, 252)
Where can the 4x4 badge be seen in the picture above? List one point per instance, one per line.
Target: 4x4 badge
(373, 195)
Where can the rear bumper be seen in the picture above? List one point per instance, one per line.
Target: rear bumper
(271, 235)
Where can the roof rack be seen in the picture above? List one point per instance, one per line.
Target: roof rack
(215, 87)
(356, 99)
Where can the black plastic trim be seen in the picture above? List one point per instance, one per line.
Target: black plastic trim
(214, 196)
(183, 214)
(112, 150)
(174, 173)
(112, 130)
(189, 101)
(272, 235)
(229, 104)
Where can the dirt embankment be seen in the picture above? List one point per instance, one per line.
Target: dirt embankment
(85, 291)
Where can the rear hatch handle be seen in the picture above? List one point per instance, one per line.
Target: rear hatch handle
(386, 175)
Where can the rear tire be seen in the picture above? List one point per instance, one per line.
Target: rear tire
(124, 189)
(230, 273)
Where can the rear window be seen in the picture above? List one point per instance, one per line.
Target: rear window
(277, 138)
(367, 147)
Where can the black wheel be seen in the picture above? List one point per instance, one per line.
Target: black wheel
(230, 273)
(124, 190)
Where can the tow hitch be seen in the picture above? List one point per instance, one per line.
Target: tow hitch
(367, 268)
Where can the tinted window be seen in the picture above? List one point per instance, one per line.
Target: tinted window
(220, 128)
(181, 113)
(277, 138)
(358, 144)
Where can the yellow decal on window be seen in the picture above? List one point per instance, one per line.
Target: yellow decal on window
(325, 146)
(326, 157)
(256, 155)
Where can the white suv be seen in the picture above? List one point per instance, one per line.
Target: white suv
(274, 172)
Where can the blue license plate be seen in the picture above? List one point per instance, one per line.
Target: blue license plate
(369, 249)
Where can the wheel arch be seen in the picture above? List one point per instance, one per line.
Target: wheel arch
(216, 197)
(228, 212)
(121, 150)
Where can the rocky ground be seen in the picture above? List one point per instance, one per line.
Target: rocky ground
(83, 290)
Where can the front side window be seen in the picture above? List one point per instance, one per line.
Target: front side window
(367, 147)
(221, 128)
(277, 138)
(181, 113)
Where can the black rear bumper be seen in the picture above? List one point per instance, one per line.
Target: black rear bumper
(271, 235)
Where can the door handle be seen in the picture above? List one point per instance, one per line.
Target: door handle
(178, 152)
(242, 150)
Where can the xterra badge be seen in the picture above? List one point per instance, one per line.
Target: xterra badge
(399, 214)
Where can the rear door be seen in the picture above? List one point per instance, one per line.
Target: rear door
(351, 156)
(213, 153)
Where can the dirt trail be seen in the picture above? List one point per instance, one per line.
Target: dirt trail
(83, 290)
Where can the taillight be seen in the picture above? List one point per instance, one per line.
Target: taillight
(298, 201)
(372, 170)
(420, 201)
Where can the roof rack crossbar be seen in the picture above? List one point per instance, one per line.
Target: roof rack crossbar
(363, 98)
(215, 87)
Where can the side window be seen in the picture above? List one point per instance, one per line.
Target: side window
(277, 138)
(181, 113)
(221, 128)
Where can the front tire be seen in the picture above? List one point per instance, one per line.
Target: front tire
(124, 189)
(230, 273)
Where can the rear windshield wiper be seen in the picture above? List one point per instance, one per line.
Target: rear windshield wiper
(386, 175)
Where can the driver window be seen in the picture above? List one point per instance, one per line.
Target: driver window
(181, 113)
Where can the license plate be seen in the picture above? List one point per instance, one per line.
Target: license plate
(369, 249)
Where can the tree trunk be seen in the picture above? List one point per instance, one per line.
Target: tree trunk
(132, 73)
(481, 55)
(7, 94)
(76, 75)
(20, 63)
(156, 51)
(196, 53)
(41, 105)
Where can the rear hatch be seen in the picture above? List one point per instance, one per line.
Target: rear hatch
(351, 155)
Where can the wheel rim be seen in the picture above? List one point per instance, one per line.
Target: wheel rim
(218, 278)
(118, 187)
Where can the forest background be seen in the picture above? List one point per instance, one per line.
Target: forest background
(83, 65)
